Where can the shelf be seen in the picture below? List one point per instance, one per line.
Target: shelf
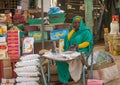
(46, 41)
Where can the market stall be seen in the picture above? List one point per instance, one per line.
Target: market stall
(29, 30)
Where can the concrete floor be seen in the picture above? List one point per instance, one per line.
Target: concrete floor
(100, 47)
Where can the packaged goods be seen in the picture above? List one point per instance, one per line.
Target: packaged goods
(13, 44)
(114, 28)
(2, 39)
(3, 30)
(29, 57)
(114, 46)
(28, 83)
(8, 80)
(3, 55)
(27, 79)
(28, 45)
(5, 63)
(28, 74)
(27, 69)
(61, 45)
(34, 62)
(7, 72)
(7, 84)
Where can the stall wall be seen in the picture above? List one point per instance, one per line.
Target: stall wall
(46, 5)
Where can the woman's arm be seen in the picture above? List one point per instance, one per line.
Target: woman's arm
(83, 45)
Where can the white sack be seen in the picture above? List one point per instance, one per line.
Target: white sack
(27, 79)
(35, 62)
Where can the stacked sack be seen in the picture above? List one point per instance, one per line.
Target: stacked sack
(28, 70)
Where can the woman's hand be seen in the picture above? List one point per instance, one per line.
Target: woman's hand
(74, 27)
(73, 48)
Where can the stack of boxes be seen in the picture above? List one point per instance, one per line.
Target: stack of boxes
(9, 50)
(13, 44)
(112, 39)
(114, 44)
(3, 43)
(5, 70)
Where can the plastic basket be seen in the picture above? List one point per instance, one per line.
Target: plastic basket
(34, 21)
(57, 18)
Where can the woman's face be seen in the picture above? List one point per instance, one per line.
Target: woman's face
(76, 24)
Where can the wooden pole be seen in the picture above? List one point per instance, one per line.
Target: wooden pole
(42, 13)
(88, 14)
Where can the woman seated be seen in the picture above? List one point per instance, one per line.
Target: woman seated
(79, 39)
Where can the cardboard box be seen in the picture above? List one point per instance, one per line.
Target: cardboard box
(7, 81)
(3, 54)
(3, 46)
(2, 39)
(14, 56)
(13, 44)
(13, 33)
(5, 63)
(7, 72)
(7, 84)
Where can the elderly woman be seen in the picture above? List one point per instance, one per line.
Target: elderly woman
(79, 39)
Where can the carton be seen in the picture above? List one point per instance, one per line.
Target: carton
(3, 54)
(5, 63)
(7, 81)
(28, 45)
(2, 39)
(7, 72)
(3, 46)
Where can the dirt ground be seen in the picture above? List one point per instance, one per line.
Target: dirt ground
(117, 60)
(101, 47)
